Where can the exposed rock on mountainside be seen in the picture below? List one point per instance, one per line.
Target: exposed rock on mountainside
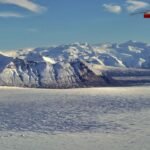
(46, 75)
(77, 65)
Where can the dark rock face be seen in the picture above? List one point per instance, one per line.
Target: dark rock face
(4, 60)
(44, 75)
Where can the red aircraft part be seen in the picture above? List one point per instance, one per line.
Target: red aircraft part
(146, 15)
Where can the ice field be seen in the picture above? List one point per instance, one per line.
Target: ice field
(116, 118)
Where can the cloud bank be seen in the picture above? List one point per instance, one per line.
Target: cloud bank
(133, 5)
(113, 8)
(26, 4)
(128, 5)
(10, 15)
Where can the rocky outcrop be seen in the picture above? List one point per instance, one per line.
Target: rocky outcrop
(45, 75)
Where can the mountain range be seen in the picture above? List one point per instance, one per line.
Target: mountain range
(77, 65)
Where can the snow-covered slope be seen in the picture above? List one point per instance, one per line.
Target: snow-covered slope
(73, 65)
(130, 54)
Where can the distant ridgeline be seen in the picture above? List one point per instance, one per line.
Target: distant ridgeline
(77, 65)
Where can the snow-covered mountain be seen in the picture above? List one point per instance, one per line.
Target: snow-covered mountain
(74, 65)
(130, 54)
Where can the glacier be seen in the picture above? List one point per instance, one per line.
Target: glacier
(116, 118)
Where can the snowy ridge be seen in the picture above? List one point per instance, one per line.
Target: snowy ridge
(74, 65)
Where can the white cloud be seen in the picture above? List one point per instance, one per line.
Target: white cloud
(133, 5)
(113, 8)
(26, 4)
(10, 15)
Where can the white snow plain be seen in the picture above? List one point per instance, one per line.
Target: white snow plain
(116, 118)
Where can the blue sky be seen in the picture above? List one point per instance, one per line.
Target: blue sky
(33, 23)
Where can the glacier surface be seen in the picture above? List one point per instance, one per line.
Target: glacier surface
(79, 119)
